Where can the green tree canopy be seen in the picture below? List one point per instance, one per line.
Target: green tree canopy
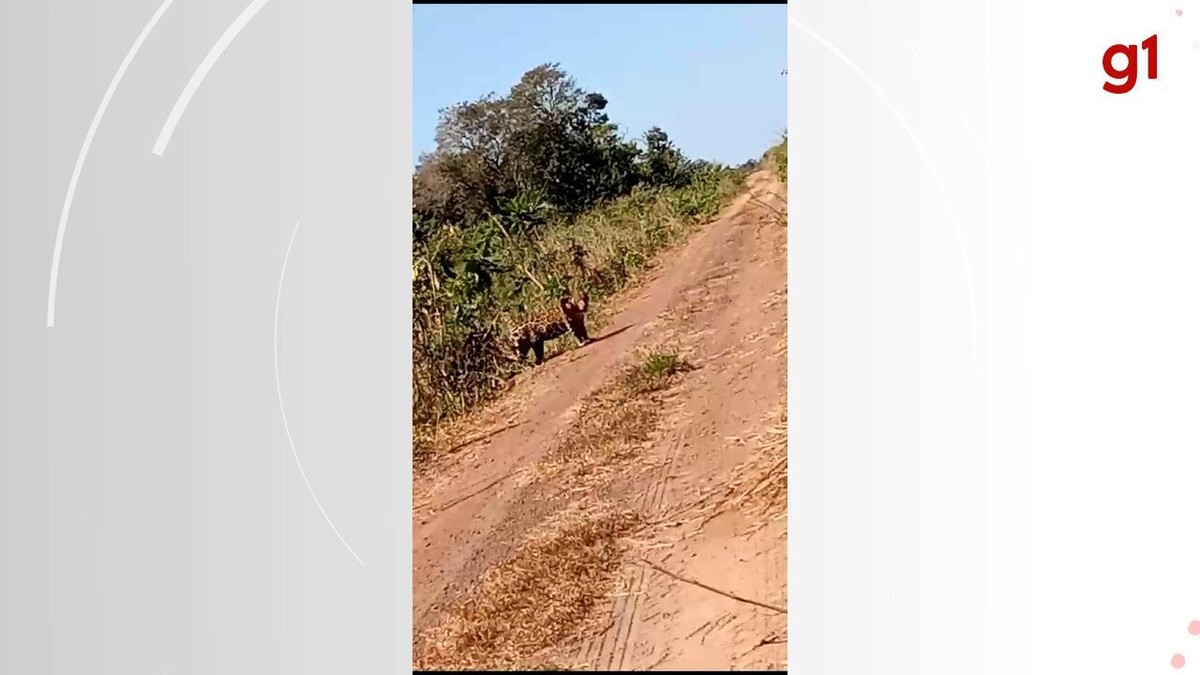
(547, 141)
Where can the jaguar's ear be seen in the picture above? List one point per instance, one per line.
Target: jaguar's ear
(583, 302)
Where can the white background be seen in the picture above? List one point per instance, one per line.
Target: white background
(1033, 508)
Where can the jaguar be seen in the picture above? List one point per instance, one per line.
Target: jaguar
(533, 334)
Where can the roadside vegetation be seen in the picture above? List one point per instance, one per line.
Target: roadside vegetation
(528, 195)
(778, 158)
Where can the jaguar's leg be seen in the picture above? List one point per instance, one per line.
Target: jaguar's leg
(579, 329)
(539, 352)
(523, 351)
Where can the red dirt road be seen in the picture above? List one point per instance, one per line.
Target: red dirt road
(721, 298)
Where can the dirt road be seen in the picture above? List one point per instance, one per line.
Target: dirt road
(698, 461)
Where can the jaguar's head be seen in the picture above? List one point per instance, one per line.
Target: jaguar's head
(573, 308)
(575, 312)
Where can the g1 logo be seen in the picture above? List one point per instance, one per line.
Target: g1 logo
(1126, 77)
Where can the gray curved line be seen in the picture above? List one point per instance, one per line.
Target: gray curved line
(83, 152)
(282, 413)
(926, 160)
(961, 114)
(189, 90)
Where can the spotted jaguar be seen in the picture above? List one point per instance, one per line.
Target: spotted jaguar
(533, 334)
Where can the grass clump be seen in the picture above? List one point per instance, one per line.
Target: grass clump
(655, 371)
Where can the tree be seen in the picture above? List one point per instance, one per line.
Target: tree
(546, 136)
(663, 163)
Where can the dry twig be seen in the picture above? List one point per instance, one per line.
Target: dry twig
(706, 587)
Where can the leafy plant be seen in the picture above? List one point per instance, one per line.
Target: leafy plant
(778, 158)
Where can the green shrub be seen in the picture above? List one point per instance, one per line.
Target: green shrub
(777, 156)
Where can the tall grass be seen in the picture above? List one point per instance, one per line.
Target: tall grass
(777, 156)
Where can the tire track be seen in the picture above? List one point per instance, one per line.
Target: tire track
(653, 507)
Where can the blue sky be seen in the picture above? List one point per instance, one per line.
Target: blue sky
(709, 75)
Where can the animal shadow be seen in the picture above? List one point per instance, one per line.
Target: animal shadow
(612, 333)
(593, 341)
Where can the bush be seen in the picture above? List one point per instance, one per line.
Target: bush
(777, 156)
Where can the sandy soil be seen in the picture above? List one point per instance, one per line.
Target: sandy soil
(720, 299)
